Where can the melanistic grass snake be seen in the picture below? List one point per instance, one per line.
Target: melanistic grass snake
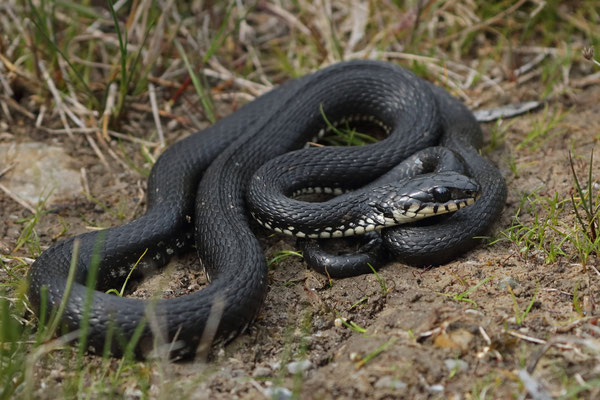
(197, 193)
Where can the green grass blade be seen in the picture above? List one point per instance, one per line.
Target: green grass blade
(68, 287)
(202, 93)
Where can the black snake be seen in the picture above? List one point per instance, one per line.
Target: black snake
(223, 158)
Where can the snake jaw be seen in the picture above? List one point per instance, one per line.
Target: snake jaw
(422, 197)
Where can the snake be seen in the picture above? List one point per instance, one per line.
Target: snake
(196, 197)
(277, 179)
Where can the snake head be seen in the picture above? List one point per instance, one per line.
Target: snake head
(425, 196)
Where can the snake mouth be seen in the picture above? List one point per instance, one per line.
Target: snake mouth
(426, 196)
(428, 210)
(423, 210)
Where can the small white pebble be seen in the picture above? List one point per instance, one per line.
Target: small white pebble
(458, 365)
(299, 366)
(436, 388)
(387, 382)
(278, 392)
(261, 372)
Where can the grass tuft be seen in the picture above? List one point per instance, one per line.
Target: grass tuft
(544, 128)
(29, 235)
(282, 255)
(464, 296)
(520, 315)
(589, 220)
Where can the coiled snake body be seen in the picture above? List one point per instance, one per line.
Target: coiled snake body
(222, 159)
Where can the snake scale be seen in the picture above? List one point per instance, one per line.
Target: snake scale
(196, 193)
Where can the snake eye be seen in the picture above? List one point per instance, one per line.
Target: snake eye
(441, 194)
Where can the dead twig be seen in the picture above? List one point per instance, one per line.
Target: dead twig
(57, 98)
(476, 27)
(156, 115)
(110, 103)
(17, 107)
(17, 199)
(96, 149)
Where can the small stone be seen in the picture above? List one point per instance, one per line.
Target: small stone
(40, 171)
(508, 281)
(533, 386)
(387, 382)
(298, 366)
(261, 372)
(456, 365)
(237, 373)
(172, 124)
(458, 339)
(278, 393)
(275, 366)
(320, 323)
(13, 233)
(436, 388)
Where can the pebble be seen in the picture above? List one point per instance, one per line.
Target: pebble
(387, 382)
(436, 388)
(508, 281)
(320, 323)
(39, 169)
(261, 372)
(237, 373)
(275, 366)
(278, 393)
(459, 365)
(298, 366)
